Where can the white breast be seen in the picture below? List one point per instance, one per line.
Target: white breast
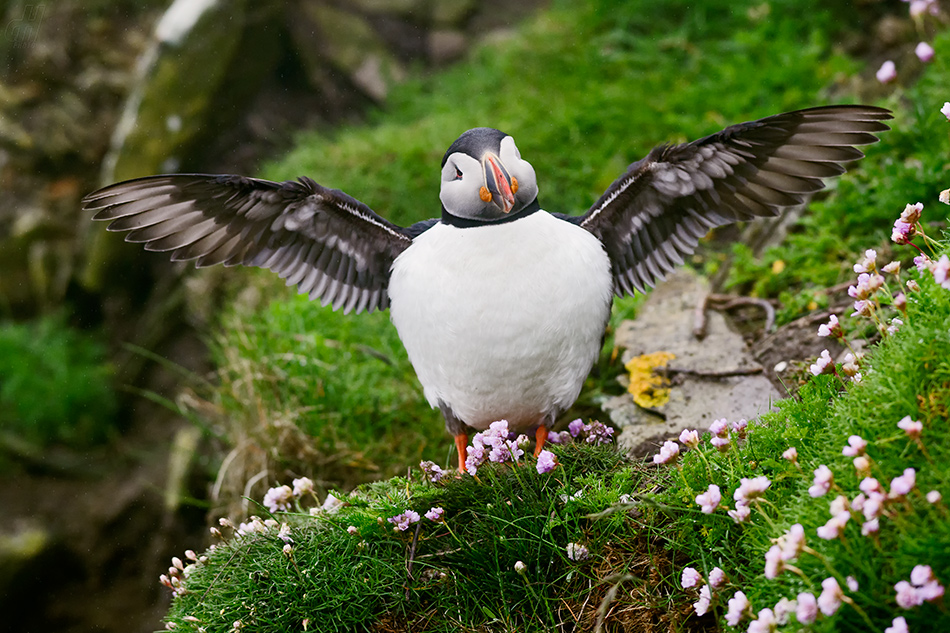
(502, 321)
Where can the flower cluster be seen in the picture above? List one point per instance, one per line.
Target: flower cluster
(919, 10)
(708, 591)
(433, 471)
(593, 433)
(401, 522)
(496, 444)
(923, 587)
(280, 498)
(180, 570)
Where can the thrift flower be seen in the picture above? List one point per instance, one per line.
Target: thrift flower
(302, 486)
(887, 72)
(903, 233)
(741, 513)
(945, 194)
(900, 301)
(793, 542)
(689, 438)
(668, 453)
(831, 596)
(852, 583)
(774, 564)
(807, 610)
(791, 454)
(546, 462)
(784, 608)
(822, 365)
(404, 520)
(839, 505)
(577, 552)
(705, 598)
(924, 52)
(866, 264)
(856, 446)
(764, 623)
(934, 497)
(435, 514)
(835, 525)
(822, 482)
(559, 438)
(575, 427)
(945, 111)
(691, 578)
(520, 567)
(907, 597)
(892, 268)
(831, 328)
(716, 577)
(922, 263)
(740, 428)
(870, 527)
(719, 428)
(722, 443)
(352, 530)
(433, 471)
(873, 505)
(710, 499)
(278, 498)
(920, 575)
(900, 486)
(737, 608)
(941, 272)
(598, 433)
(898, 625)
(751, 488)
(912, 428)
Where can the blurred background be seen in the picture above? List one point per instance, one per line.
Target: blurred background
(140, 400)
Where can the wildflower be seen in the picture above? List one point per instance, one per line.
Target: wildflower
(822, 482)
(911, 213)
(831, 595)
(719, 428)
(546, 462)
(922, 263)
(945, 111)
(898, 625)
(352, 530)
(900, 301)
(941, 272)
(404, 520)
(710, 499)
(774, 564)
(433, 471)
(278, 498)
(903, 484)
(895, 325)
(520, 567)
(944, 196)
(740, 428)
(857, 504)
(783, 608)
(924, 52)
(934, 497)
(907, 597)
(288, 549)
(741, 513)
(868, 263)
(870, 527)
(852, 583)
(689, 438)
(903, 233)
(873, 505)
(690, 578)
(835, 525)
(575, 427)
(701, 606)
(302, 486)
(919, 7)
(793, 542)
(475, 458)
(822, 364)
(668, 453)
(750, 489)
(332, 504)
(598, 433)
(856, 446)
(887, 72)
(791, 454)
(931, 591)
(716, 578)
(839, 505)
(909, 426)
(722, 443)
(862, 308)
(870, 485)
(284, 533)
(435, 514)
(559, 438)
(738, 607)
(577, 552)
(522, 441)
(807, 609)
(920, 575)
(764, 623)
(928, 588)
(913, 286)
(892, 268)
(831, 328)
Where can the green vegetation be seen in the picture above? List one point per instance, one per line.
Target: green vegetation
(55, 385)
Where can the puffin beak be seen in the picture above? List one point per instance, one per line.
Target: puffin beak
(498, 184)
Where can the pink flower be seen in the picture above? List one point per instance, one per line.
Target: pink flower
(822, 365)
(791, 454)
(835, 525)
(783, 609)
(577, 552)
(404, 520)
(868, 263)
(793, 542)
(598, 433)
(909, 426)
(807, 609)
(934, 497)
(920, 575)
(892, 268)
(887, 72)
(832, 328)
(737, 608)
(740, 428)
(751, 488)
(716, 577)
(869, 485)
(852, 583)
(774, 563)
(689, 438)
(945, 110)
(822, 482)
(831, 596)
(900, 486)
(941, 272)
(839, 505)
(764, 623)
(870, 527)
(924, 52)
(898, 625)
(863, 465)
(705, 598)
(911, 213)
(907, 597)
(856, 446)
(710, 499)
(903, 232)
(668, 453)
(559, 438)
(722, 443)
(575, 427)
(873, 505)
(741, 513)
(433, 471)
(719, 428)
(435, 514)
(691, 578)
(278, 498)
(546, 462)
(352, 530)
(919, 7)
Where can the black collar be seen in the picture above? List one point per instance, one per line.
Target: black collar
(465, 223)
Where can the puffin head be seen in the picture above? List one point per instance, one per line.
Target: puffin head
(484, 178)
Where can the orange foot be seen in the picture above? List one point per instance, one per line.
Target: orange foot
(540, 436)
(461, 445)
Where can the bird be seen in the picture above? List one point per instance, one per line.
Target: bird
(500, 305)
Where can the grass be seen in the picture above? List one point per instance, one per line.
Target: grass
(662, 72)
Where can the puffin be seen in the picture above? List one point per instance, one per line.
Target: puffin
(501, 305)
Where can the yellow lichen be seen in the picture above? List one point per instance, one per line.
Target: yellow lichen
(648, 389)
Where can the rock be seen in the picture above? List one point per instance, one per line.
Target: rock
(699, 392)
(445, 46)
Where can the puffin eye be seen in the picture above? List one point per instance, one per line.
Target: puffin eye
(458, 173)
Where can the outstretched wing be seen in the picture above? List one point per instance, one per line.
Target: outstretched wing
(330, 245)
(656, 213)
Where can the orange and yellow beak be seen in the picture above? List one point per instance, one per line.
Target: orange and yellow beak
(500, 188)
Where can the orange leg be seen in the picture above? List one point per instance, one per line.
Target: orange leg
(540, 436)
(461, 444)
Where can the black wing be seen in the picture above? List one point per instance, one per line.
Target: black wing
(656, 213)
(330, 245)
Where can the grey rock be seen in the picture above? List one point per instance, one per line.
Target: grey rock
(665, 324)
